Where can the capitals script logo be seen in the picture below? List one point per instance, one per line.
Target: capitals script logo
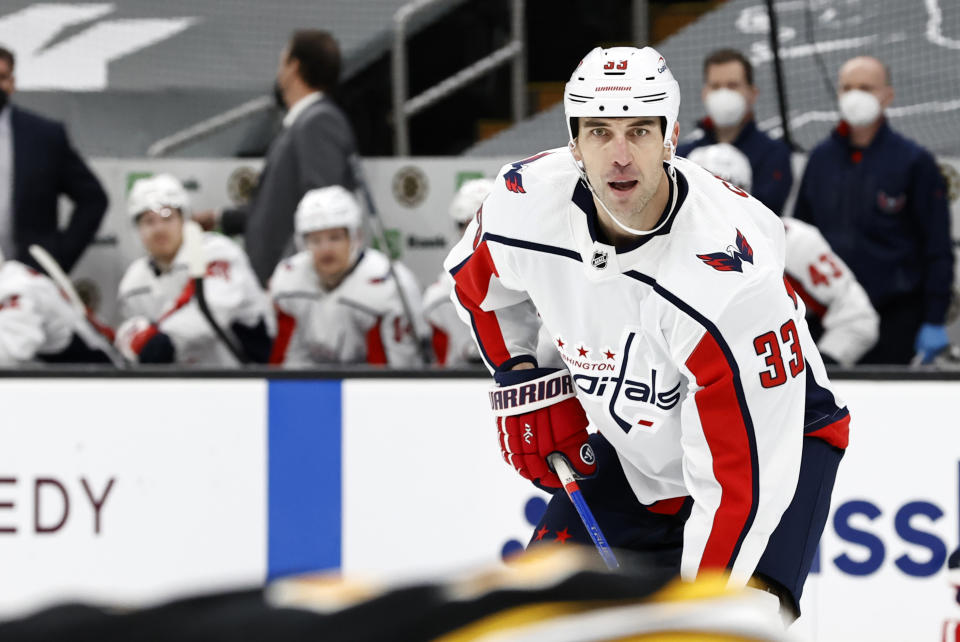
(512, 177)
(732, 259)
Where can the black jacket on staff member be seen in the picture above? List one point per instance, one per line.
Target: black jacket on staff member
(45, 165)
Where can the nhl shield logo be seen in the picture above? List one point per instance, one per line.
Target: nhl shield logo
(599, 260)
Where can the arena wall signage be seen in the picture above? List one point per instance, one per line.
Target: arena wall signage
(181, 486)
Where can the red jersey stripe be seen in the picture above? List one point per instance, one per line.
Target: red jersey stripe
(376, 353)
(286, 324)
(814, 306)
(836, 434)
(730, 446)
(472, 282)
(441, 343)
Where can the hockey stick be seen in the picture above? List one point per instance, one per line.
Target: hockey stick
(381, 234)
(197, 269)
(58, 276)
(572, 488)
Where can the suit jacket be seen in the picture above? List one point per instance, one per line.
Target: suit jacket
(45, 165)
(315, 151)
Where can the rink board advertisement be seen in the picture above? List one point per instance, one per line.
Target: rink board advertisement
(182, 486)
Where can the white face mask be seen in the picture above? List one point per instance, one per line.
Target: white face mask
(859, 107)
(725, 107)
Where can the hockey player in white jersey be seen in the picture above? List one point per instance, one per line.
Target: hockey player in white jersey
(452, 341)
(38, 325)
(662, 288)
(335, 300)
(838, 308)
(163, 322)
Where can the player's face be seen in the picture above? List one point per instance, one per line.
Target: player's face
(161, 233)
(623, 158)
(728, 75)
(330, 250)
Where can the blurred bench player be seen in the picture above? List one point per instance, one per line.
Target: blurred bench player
(37, 324)
(335, 300)
(838, 307)
(453, 345)
(662, 288)
(162, 322)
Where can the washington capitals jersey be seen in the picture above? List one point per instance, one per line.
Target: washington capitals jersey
(167, 298)
(832, 294)
(362, 320)
(689, 350)
(37, 322)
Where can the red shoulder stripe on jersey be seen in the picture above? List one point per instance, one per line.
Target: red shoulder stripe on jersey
(836, 434)
(185, 297)
(813, 305)
(472, 280)
(376, 353)
(726, 433)
(286, 324)
(441, 342)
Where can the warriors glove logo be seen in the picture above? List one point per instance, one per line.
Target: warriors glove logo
(527, 433)
(731, 260)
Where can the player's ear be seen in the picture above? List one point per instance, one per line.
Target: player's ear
(575, 150)
(668, 151)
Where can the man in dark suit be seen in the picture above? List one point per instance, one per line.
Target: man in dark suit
(37, 165)
(314, 149)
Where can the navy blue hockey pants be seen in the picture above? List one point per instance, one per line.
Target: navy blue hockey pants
(654, 534)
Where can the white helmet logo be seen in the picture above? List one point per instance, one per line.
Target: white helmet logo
(661, 65)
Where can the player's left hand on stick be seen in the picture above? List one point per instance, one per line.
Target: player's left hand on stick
(538, 414)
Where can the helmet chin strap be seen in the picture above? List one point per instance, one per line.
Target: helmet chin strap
(671, 172)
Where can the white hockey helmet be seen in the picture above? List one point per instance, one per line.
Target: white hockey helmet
(468, 199)
(724, 161)
(156, 193)
(622, 82)
(326, 208)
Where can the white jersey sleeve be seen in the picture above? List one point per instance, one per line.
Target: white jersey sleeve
(488, 295)
(20, 329)
(741, 425)
(830, 291)
(35, 318)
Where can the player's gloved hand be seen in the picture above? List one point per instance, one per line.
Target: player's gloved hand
(931, 340)
(538, 414)
(139, 340)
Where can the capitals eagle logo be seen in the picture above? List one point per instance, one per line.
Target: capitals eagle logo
(732, 259)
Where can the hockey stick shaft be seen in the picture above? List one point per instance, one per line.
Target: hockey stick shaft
(572, 488)
(381, 234)
(197, 266)
(58, 276)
